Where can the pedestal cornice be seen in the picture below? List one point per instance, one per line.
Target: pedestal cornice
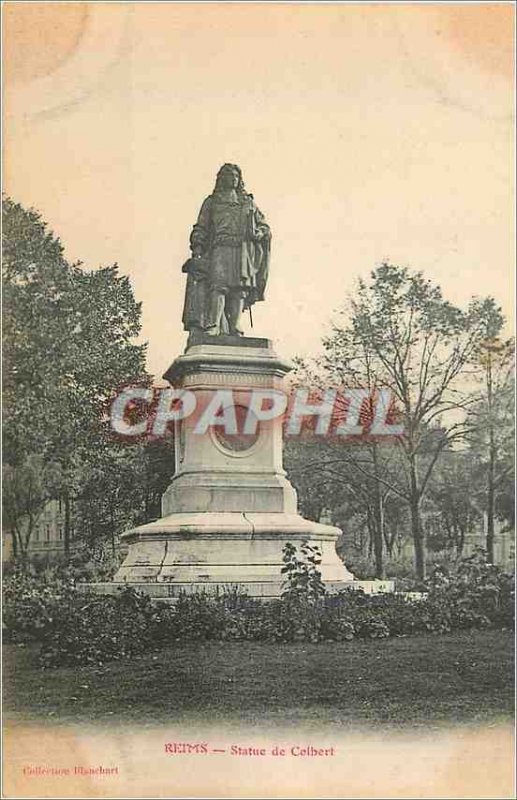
(239, 358)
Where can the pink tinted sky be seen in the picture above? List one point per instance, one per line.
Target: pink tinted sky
(366, 132)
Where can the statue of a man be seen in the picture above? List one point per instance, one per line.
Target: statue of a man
(230, 245)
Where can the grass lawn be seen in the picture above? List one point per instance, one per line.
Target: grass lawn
(463, 677)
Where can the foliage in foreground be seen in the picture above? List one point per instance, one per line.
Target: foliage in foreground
(74, 627)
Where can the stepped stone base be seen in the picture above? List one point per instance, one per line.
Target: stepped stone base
(224, 548)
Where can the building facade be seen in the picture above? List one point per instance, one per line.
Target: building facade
(47, 543)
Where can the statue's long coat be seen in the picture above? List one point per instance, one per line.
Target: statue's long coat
(235, 242)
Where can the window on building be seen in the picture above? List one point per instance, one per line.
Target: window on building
(47, 533)
(60, 532)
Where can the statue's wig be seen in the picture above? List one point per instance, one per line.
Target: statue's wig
(240, 186)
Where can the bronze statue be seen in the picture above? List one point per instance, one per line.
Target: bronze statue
(230, 245)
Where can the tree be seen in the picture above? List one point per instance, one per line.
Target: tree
(69, 338)
(454, 500)
(397, 331)
(327, 478)
(492, 430)
(122, 489)
(367, 459)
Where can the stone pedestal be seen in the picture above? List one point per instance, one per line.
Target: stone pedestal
(229, 509)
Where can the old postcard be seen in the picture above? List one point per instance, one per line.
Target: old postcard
(258, 400)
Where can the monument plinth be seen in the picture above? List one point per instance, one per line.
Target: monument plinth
(229, 509)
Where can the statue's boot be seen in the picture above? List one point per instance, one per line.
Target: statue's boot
(234, 306)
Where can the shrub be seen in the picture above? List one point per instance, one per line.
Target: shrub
(93, 629)
(197, 617)
(78, 628)
(475, 595)
(370, 627)
(31, 607)
(336, 623)
(401, 615)
(303, 578)
(299, 613)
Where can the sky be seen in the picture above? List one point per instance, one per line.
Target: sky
(366, 132)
